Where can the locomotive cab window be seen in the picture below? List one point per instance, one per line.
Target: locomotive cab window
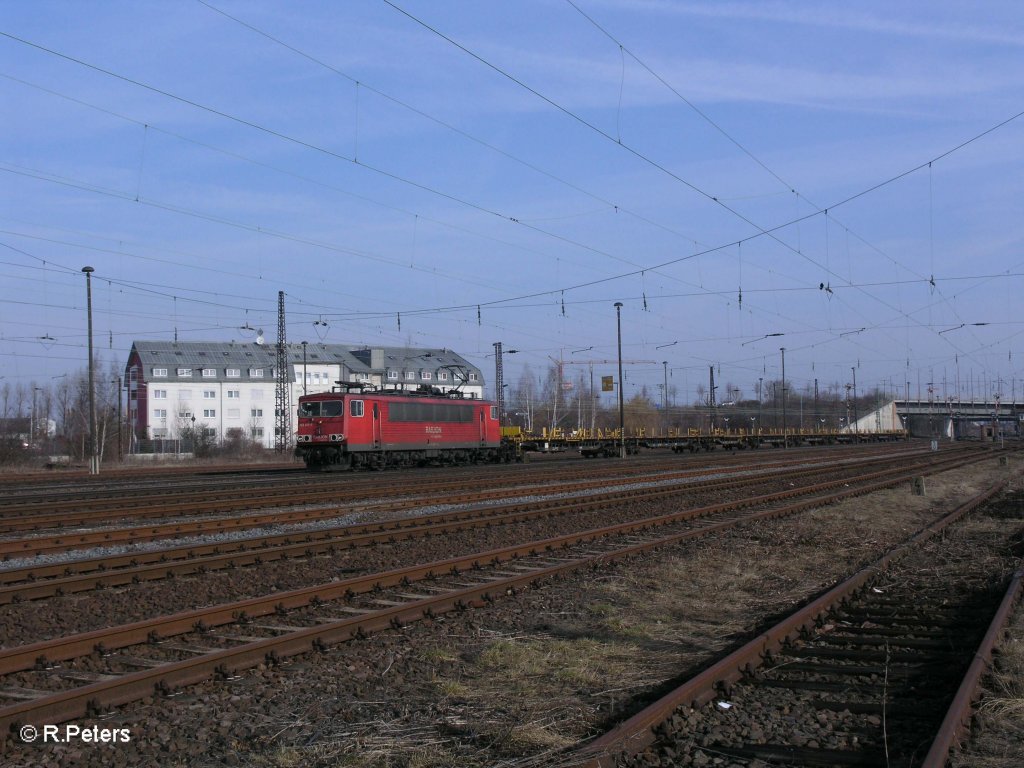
(356, 408)
(494, 413)
(332, 408)
(316, 408)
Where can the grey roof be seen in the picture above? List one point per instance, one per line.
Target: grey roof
(201, 354)
(222, 355)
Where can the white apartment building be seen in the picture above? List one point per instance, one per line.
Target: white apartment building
(228, 389)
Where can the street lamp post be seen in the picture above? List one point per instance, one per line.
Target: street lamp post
(855, 417)
(622, 407)
(94, 459)
(664, 395)
(785, 437)
(760, 395)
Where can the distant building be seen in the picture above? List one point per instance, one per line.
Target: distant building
(21, 428)
(228, 388)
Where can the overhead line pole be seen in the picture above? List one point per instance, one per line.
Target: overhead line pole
(94, 458)
(622, 408)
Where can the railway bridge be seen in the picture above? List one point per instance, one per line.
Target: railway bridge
(948, 418)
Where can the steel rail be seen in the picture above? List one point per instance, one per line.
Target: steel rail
(41, 545)
(58, 649)
(637, 732)
(957, 720)
(297, 491)
(31, 582)
(90, 698)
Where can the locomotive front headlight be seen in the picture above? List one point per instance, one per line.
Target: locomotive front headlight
(337, 438)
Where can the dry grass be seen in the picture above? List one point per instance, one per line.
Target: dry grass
(997, 739)
(639, 626)
(376, 744)
(522, 692)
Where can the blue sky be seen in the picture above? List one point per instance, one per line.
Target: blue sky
(538, 160)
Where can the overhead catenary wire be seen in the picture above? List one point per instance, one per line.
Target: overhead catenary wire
(761, 231)
(769, 231)
(641, 298)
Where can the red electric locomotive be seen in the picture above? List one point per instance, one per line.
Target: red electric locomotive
(360, 427)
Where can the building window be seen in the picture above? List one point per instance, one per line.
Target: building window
(426, 376)
(184, 371)
(255, 373)
(257, 432)
(234, 394)
(234, 373)
(209, 413)
(472, 377)
(209, 373)
(160, 413)
(392, 375)
(364, 377)
(410, 375)
(159, 372)
(356, 407)
(209, 394)
(234, 413)
(442, 375)
(185, 414)
(256, 413)
(209, 432)
(159, 394)
(159, 433)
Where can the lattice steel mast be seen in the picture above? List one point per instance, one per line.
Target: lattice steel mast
(499, 383)
(282, 393)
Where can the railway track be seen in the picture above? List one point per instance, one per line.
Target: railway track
(173, 651)
(880, 670)
(66, 541)
(36, 509)
(38, 581)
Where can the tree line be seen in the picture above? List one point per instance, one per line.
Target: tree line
(52, 418)
(549, 401)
